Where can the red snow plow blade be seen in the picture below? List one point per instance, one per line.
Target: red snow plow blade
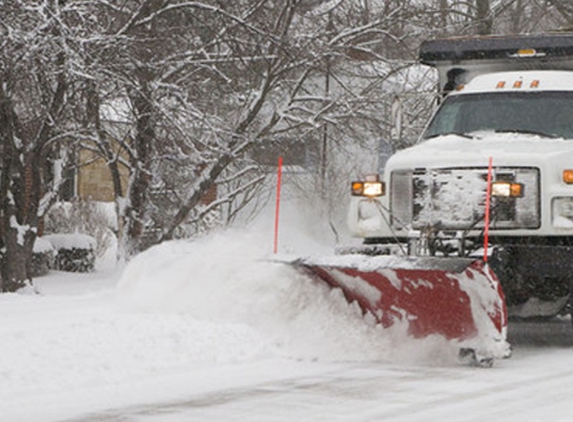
(458, 298)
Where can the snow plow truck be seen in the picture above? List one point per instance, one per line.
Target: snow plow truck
(474, 222)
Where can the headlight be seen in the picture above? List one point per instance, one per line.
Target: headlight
(507, 189)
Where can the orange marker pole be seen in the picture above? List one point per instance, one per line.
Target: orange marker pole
(487, 207)
(278, 203)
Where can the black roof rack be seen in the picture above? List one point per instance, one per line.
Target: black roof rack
(495, 47)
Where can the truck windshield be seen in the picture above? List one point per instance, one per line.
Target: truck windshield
(547, 113)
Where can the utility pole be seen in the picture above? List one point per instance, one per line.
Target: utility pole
(323, 174)
(324, 143)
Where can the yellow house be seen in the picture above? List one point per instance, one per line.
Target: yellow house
(93, 180)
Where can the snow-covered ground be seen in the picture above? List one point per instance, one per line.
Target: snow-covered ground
(214, 330)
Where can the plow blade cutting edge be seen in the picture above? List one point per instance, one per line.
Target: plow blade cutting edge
(458, 298)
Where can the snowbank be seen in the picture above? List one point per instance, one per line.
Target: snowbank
(228, 279)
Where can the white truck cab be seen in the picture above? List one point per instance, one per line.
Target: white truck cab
(507, 101)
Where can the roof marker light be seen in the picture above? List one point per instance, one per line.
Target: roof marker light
(517, 84)
(528, 52)
(534, 83)
(500, 85)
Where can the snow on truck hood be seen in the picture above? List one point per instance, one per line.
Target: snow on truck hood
(505, 148)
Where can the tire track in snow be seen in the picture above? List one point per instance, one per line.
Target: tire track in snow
(368, 393)
(532, 386)
(499, 400)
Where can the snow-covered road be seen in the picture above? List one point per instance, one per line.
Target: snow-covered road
(207, 331)
(534, 385)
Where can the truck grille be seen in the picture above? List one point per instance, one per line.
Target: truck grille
(454, 199)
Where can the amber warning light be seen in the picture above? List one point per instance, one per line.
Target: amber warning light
(568, 176)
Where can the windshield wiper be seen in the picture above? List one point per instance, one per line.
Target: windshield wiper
(526, 132)
(463, 135)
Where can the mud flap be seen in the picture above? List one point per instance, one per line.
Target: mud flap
(458, 298)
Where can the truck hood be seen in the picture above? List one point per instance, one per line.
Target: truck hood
(506, 149)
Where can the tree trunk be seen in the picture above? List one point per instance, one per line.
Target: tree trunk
(18, 220)
(138, 193)
(15, 240)
(22, 179)
(484, 19)
(444, 10)
(17, 255)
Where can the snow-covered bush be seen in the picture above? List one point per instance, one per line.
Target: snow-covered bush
(42, 257)
(96, 219)
(75, 252)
